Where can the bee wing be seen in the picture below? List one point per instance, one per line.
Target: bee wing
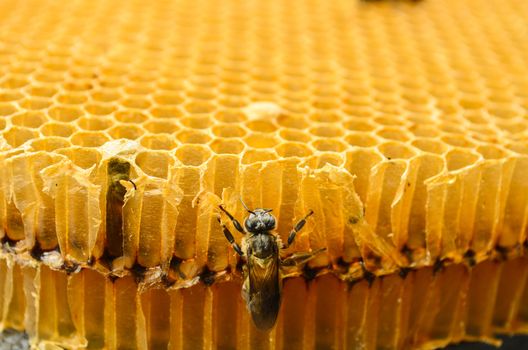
(264, 291)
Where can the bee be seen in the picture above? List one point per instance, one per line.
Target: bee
(263, 265)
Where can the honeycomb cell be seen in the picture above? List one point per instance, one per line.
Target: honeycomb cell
(136, 102)
(459, 141)
(329, 145)
(71, 98)
(193, 154)
(57, 129)
(29, 119)
(82, 157)
(261, 126)
(41, 90)
(193, 136)
(89, 138)
(166, 112)
(65, 113)
(7, 109)
(200, 107)
(18, 135)
(251, 156)
(99, 108)
(327, 131)
(127, 131)
(94, 123)
(49, 144)
(154, 163)
(292, 121)
(460, 158)
(428, 145)
(227, 130)
(158, 142)
(396, 150)
(392, 133)
(132, 117)
(293, 149)
(197, 122)
(106, 95)
(259, 140)
(227, 146)
(294, 135)
(160, 127)
(359, 125)
(230, 116)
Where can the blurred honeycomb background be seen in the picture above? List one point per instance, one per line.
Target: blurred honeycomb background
(403, 125)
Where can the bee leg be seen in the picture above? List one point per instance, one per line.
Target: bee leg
(300, 258)
(233, 220)
(296, 229)
(229, 236)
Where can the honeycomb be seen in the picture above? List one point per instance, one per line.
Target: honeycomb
(123, 125)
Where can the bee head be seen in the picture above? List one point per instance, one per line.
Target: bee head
(260, 220)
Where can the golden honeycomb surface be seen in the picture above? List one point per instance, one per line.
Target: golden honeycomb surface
(124, 124)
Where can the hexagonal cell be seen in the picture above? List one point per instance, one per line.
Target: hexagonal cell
(492, 152)
(81, 156)
(325, 117)
(8, 96)
(18, 135)
(511, 126)
(193, 154)
(34, 103)
(133, 117)
(460, 158)
(201, 94)
(3, 124)
(428, 145)
(424, 130)
(126, 131)
(13, 82)
(293, 149)
(261, 125)
(393, 134)
(505, 111)
(30, 119)
(136, 102)
(329, 145)
(331, 158)
(230, 116)
(161, 126)
(292, 121)
(41, 90)
(168, 98)
(458, 141)
(361, 139)
(326, 131)
(138, 89)
(197, 121)
(193, 136)
(233, 101)
(78, 85)
(72, 98)
(227, 146)
(154, 163)
(199, 107)
(259, 140)
(228, 130)
(57, 129)
(49, 144)
(94, 123)
(258, 155)
(359, 125)
(166, 112)
(396, 150)
(158, 142)
(520, 147)
(105, 95)
(476, 117)
(89, 138)
(99, 108)
(294, 135)
(328, 103)
(7, 109)
(65, 113)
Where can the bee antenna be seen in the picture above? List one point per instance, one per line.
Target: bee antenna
(245, 206)
(268, 210)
